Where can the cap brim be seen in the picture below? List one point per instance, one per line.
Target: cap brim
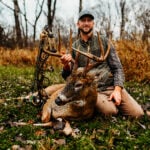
(86, 15)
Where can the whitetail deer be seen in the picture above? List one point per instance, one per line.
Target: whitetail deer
(77, 99)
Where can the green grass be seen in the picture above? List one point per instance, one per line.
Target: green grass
(118, 133)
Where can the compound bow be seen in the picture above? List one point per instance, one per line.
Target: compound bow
(47, 47)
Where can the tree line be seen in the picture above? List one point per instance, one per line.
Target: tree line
(106, 21)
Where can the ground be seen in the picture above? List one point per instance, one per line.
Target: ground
(100, 132)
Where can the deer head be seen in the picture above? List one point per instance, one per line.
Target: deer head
(79, 85)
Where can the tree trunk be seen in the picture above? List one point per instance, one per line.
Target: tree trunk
(26, 25)
(122, 28)
(80, 5)
(80, 9)
(37, 18)
(51, 12)
(17, 24)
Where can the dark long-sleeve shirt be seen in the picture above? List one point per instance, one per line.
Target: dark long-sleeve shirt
(111, 67)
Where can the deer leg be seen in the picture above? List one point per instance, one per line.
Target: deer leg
(49, 90)
(53, 88)
(47, 108)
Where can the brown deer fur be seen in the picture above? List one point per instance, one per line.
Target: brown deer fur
(77, 99)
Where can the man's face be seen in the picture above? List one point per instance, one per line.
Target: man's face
(85, 24)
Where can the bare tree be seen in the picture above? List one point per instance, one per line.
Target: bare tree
(144, 19)
(122, 26)
(140, 30)
(107, 27)
(51, 5)
(104, 22)
(18, 12)
(17, 23)
(80, 9)
(37, 17)
(26, 25)
(80, 5)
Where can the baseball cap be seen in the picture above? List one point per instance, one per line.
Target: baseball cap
(86, 13)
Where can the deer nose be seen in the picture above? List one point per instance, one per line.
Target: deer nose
(58, 101)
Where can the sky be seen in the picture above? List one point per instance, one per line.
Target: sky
(66, 9)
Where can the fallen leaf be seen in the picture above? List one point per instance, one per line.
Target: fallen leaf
(148, 113)
(100, 131)
(40, 133)
(28, 147)
(15, 147)
(93, 136)
(31, 121)
(1, 129)
(67, 129)
(59, 141)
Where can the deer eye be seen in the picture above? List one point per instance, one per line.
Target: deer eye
(78, 86)
(97, 74)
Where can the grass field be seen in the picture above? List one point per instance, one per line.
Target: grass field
(98, 133)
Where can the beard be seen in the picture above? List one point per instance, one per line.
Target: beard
(85, 32)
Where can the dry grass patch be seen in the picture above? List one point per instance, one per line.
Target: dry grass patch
(17, 57)
(23, 57)
(135, 59)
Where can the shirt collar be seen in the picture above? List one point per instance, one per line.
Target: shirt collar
(85, 44)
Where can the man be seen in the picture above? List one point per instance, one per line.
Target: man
(111, 94)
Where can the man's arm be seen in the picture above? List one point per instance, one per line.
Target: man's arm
(116, 68)
(117, 71)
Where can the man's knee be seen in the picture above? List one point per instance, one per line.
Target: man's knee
(140, 114)
(137, 113)
(107, 109)
(130, 106)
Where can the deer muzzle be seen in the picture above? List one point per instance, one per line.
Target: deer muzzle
(58, 101)
(62, 99)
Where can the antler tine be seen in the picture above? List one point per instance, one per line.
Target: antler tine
(101, 46)
(75, 66)
(108, 50)
(70, 41)
(91, 66)
(86, 68)
(101, 59)
(59, 41)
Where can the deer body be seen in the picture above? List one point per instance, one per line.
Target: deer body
(74, 101)
(77, 99)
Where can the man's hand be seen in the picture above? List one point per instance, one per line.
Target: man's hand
(116, 95)
(43, 35)
(65, 59)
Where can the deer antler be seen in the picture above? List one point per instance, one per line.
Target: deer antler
(101, 46)
(103, 57)
(100, 59)
(59, 41)
(75, 66)
(70, 41)
(93, 57)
